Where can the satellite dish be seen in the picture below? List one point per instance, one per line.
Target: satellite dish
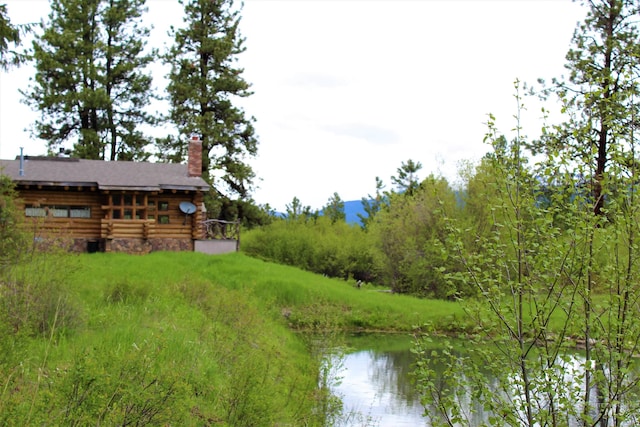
(187, 208)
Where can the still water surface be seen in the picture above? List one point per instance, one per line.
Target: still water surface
(375, 385)
(374, 380)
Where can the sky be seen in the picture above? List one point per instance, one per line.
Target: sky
(347, 90)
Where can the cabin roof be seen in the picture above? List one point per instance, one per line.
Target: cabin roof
(119, 175)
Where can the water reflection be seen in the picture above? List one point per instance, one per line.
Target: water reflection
(376, 389)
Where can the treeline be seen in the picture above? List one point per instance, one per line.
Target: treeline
(402, 241)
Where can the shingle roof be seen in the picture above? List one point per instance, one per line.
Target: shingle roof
(61, 171)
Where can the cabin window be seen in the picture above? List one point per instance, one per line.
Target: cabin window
(163, 206)
(58, 211)
(32, 211)
(80, 212)
(163, 219)
(128, 206)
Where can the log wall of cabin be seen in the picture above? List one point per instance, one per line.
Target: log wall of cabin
(160, 225)
(69, 227)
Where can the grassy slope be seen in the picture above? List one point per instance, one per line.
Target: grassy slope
(304, 299)
(189, 339)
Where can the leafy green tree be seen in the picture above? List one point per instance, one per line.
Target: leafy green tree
(204, 82)
(90, 83)
(412, 234)
(246, 211)
(10, 40)
(598, 94)
(407, 180)
(481, 191)
(372, 204)
(296, 211)
(334, 209)
(544, 287)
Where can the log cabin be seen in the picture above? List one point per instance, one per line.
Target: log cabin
(120, 206)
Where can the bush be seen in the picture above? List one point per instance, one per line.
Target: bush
(320, 246)
(13, 239)
(32, 298)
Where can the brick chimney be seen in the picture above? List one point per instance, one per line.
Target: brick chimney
(194, 160)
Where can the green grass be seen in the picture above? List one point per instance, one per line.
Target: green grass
(180, 338)
(305, 300)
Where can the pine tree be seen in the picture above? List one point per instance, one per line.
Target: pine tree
(334, 209)
(90, 85)
(598, 94)
(128, 87)
(204, 82)
(407, 180)
(10, 40)
(372, 204)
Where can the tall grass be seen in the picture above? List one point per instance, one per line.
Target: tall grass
(179, 338)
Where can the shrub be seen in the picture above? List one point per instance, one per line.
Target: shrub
(333, 249)
(13, 240)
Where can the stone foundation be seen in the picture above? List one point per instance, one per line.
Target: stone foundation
(144, 246)
(130, 246)
(175, 245)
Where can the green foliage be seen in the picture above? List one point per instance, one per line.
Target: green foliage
(10, 35)
(549, 274)
(411, 233)
(13, 240)
(334, 249)
(598, 96)
(203, 81)
(407, 180)
(89, 82)
(245, 210)
(295, 211)
(334, 209)
(372, 205)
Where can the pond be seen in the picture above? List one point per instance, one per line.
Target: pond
(374, 382)
(373, 378)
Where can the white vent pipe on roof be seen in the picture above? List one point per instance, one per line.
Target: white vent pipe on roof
(21, 171)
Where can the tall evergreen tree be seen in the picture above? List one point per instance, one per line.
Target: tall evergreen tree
(372, 204)
(10, 40)
(598, 93)
(334, 209)
(407, 180)
(128, 87)
(204, 82)
(90, 83)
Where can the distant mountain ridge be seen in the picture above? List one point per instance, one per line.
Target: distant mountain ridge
(352, 209)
